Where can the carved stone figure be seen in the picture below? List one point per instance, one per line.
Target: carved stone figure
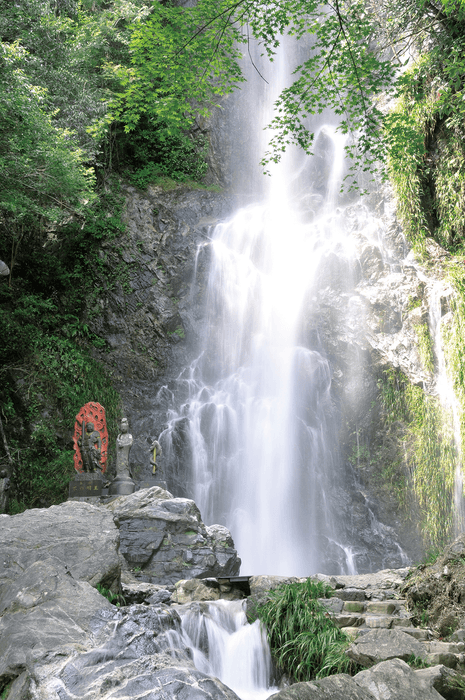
(155, 450)
(90, 439)
(123, 445)
(90, 443)
(122, 484)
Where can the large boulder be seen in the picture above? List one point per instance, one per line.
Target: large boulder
(384, 644)
(196, 590)
(45, 609)
(80, 536)
(395, 680)
(164, 539)
(339, 687)
(445, 680)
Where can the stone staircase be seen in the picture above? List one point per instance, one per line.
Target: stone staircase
(373, 601)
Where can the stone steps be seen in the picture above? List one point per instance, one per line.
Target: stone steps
(376, 603)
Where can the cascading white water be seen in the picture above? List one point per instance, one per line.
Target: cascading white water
(226, 646)
(259, 417)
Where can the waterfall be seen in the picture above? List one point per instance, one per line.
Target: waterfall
(258, 425)
(261, 422)
(224, 645)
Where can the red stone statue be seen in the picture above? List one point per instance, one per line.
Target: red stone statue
(90, 439)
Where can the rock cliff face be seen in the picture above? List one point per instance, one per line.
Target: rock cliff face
(150, 317)
(366, 312)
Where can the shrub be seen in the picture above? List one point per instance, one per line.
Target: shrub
(305, 642)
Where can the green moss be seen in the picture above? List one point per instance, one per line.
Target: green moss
(6, 691)
(426, 445)
(425, 346)
(405, 133)
(453, 337)
(179, 332)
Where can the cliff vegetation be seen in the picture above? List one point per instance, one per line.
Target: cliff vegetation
(93, 91)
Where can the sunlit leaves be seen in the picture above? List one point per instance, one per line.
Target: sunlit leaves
(184, 58)
(41, 169)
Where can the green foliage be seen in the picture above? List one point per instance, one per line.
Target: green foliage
(64, 61)
(305, 642)
(6, 690)
(46, 368)
(176, 73)
(42, 177)
(406, 123)
(425, 135)
(179, 332)
(184, 58)
(431, 556)
(115, 598)
(429, 450)
(425, 346)
(152, 152)
(457, 682)
(453, 334)
(417, 662)
(152, 70)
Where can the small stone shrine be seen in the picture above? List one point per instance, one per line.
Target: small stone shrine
(90, 442)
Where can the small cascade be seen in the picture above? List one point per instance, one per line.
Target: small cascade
(225, 645)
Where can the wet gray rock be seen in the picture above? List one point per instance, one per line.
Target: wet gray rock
(43, 609)
(441, 679)
(142, 657)
(339, 687)
(384, 644)
(153, 264)
(397, 681)
(164, 539)
(135, 591)
(261, 585)
(384, 580)
(82, 537)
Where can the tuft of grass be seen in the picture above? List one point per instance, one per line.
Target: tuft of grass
(457, 683)
(417, 662)
(431, 556)
(304, 640)
(114, 598)
(6, 691)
